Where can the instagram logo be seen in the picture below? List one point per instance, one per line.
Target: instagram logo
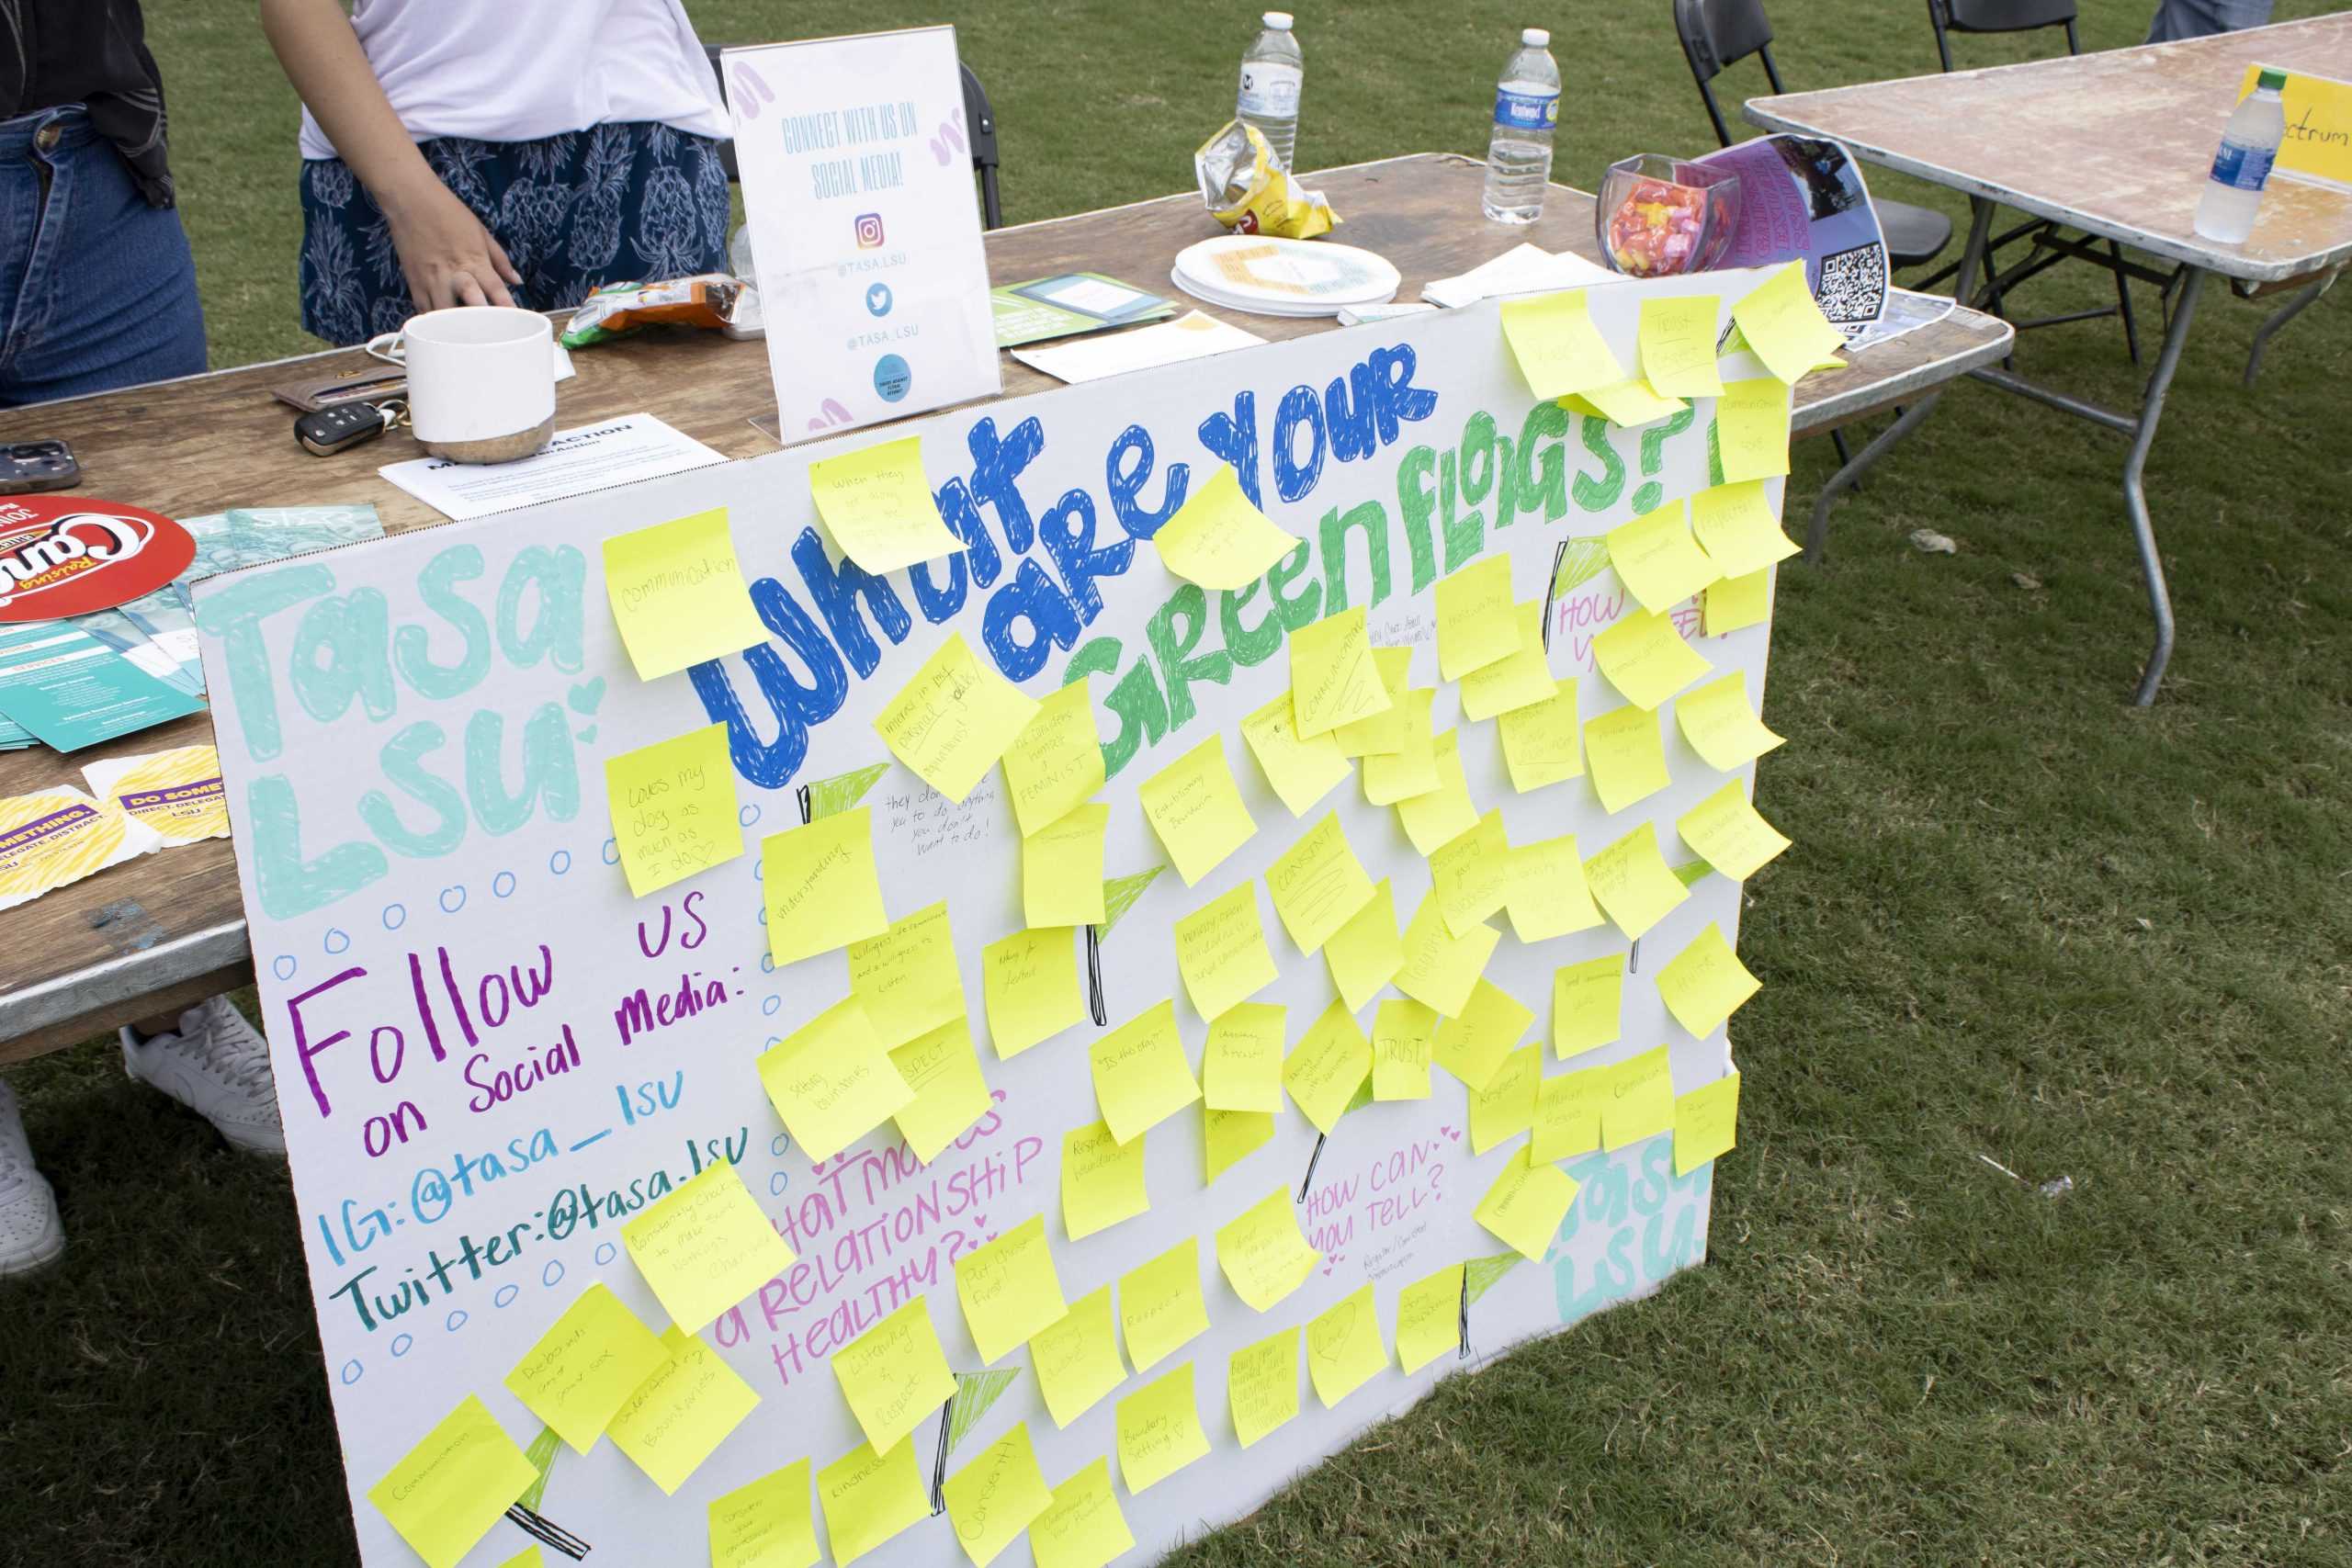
(869, 230)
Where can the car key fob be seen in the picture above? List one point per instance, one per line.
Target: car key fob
(330, 431)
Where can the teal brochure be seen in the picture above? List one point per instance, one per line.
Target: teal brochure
(71, 690)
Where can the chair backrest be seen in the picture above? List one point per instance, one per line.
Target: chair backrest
(1717, 35)
(979, 119)
(1949, 17)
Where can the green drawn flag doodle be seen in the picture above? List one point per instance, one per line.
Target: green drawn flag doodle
(1689, 874)
(1119, 896)
(1714, 456)
(975, 1392)
(1581, 563)
(1479, 1274)
(830, 797)
(541, 1453)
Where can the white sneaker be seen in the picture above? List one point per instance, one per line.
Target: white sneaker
(30, 1233)
(217, 1066)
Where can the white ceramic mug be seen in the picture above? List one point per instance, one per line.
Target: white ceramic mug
(481, 380)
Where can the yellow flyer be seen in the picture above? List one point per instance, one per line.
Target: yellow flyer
(177, 793)
(58, 836)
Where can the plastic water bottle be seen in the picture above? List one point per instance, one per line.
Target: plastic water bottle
(1270, 76)
(1518, 155)
(2249, 144)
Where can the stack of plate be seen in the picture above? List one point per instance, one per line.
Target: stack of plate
(1268, 277)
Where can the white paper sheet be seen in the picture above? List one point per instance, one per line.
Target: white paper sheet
(591, 456)
(1192, 336)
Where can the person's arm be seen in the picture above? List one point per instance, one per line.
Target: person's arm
(449, 258)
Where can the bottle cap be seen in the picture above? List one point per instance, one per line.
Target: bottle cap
(2274, 80)
(1535, 37)
(1278, 20)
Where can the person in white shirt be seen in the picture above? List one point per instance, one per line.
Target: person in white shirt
(515, 152)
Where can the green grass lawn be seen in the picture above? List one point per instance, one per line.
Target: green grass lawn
(2022, 921)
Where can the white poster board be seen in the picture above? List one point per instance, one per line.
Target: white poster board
(865, 233)
(412, 731)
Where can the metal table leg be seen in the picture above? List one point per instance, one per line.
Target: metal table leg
(2135, 494)
(2280, 318)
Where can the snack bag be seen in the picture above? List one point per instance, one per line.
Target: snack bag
(706, 300)
(1248, 190)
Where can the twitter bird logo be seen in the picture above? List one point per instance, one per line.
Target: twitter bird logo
(877, 300)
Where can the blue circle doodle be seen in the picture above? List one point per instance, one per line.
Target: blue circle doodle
(457, 1320)
(402, 1344)
(395, 916)
(505, 1296)
(460, 889)
(282, 967)
(351, 1371)
(605, 1252)
(503, 884)
(769, 1005)
(749, 815)
(337, 940)
(552, 1272)
(612, 853)
(559, 862)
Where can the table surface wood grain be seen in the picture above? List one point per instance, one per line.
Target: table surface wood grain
(162, 931)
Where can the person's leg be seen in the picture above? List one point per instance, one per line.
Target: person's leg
(639, 201)
(30, 1233)
(210, 1060)
(349, 274)
(105, 293)
(2177, 19)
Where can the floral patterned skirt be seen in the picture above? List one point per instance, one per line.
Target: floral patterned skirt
(574, 212)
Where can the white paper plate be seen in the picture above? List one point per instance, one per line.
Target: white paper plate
(1272, 276)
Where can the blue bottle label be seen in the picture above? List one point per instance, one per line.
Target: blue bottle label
(2242, 167)
(1526, 111)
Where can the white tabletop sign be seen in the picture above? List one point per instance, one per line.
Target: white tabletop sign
(865, 232)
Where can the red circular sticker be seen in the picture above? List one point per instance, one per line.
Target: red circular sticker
(62, 555)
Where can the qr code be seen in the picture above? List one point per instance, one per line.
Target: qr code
(1853, 284)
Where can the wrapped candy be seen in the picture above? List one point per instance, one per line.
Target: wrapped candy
(1661, 217)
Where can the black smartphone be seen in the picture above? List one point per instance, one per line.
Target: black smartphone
(38, 465)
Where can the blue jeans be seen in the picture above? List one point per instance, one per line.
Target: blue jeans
(97, 289)
(2177, 19)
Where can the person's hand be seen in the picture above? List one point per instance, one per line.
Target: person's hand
(449, 258)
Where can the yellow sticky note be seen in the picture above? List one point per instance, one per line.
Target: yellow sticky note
(1555, 346)
(1568, 1108)
(1784, 326)
(832, 1081)
(1705, 983)
(1219, 539)
(1677, 345)
(1365, 954)
(1229, 1136)
(906, 978)
(1546, 895)
(821, 886)
(1586, 999)
(895, 1377)
(1477, 620)
(1735, 525)
(1103, 1180)
(677, 595)
(1470, 874)
(1628, 404)
(1625, 752)
(458, 1481)
(879, 507)
(1061, 870)
(1505, 1107)
(1055, 765)
(1411, 769)
(1403, 1036)
(704, 1248)
(529, 1557)
(1730, 834)
(869, 1497)
(1029, 981)
(673, 808)
(1077, 1357)
(1752, 429)
(1428, 1319)
(1327, 1066)
(585, 1366)
(1541, 742)
(1082, 1527)
(1159, 1430)
(1706, 1123)
(1526, 1204)
(1388, 730)
(1262, 1254)
(1161, 1305)
(1141, 1073)
(1736, 601)
(1441, 969)
(1317, 885)
(953, 719)
(1262, 1385)
(1641, 1102)
(1435, 817)
(1633, 883)
(769, 1523)
(1241, 1067)
(1645, 658)
(1221, 952)
(1473, 1046)
(1009, 1289)
(1333, 679)
(1195, 808)
(1344, 1349)
(1657, 558)
(1719, 724)
(679, 1416)
(1516, 679)
(1301, 772)
(992, 1499)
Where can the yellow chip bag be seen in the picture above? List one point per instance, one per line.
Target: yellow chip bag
(1250, 192)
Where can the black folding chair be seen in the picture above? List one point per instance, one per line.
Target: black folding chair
(2047, 243)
